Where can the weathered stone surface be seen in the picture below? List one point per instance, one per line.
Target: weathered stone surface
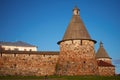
(77, 57)
(71, 61)
(25, 64)
(106, 71)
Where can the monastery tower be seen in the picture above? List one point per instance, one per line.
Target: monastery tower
(77, 54)
(105, 66)
(102, 54)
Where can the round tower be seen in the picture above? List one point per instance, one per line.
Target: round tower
(77, 54)
(102, 54)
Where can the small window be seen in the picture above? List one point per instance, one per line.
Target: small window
(44, 55)
(77, 12)
(14, 55)
(30, 49)
(25, 50)
(84, 62)
(81, 42)
(14, 65)
(9, 49)
(16, 49)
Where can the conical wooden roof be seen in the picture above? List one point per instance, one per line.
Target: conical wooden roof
(101, 53)
(76, 29)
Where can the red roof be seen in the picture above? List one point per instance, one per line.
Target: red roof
(104, 64)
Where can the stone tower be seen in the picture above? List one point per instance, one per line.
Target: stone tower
(77, 54)
(102, 54)
(105, 66)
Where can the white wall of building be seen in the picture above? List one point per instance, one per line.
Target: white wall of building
(19, 48)
(105, 59)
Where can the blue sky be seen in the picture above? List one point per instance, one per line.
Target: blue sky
(43, 22)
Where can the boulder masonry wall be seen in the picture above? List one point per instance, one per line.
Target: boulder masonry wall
(27, 64)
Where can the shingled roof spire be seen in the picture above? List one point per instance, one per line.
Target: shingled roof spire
(76, 29)
(101, 53)
(101, 44)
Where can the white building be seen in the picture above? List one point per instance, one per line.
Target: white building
(17, 46)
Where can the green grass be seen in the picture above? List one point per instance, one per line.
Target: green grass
(60, 77)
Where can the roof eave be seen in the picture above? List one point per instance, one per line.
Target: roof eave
(104, 57)
(76, 39)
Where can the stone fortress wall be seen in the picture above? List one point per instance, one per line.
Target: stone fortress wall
(27, 63)
(51, 63)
